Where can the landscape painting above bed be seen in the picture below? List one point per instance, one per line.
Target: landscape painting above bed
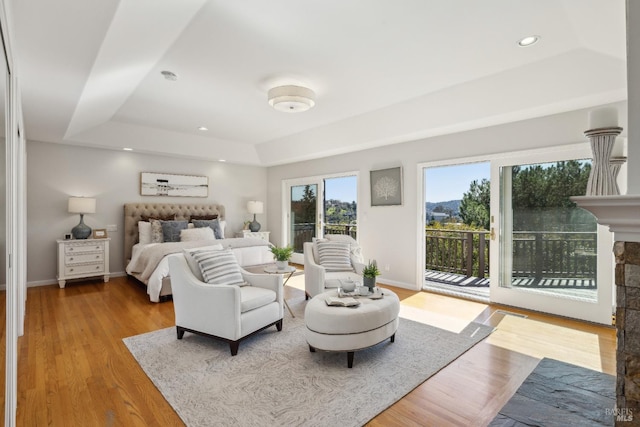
(146, 260)
(166, 184)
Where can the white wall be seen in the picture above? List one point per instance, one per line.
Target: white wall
(57, 171)
(390, 234)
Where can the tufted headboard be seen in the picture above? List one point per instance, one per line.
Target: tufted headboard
(133, 212)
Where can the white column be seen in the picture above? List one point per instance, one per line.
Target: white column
(633, 94)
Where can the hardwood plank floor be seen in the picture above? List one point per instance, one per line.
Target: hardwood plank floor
(74, 370)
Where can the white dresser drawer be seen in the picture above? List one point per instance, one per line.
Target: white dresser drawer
(84, 247)
(83, 258)
(84, 269)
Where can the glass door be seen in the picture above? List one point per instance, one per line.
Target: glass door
(318, 206)
(553, 257)
(305, 222)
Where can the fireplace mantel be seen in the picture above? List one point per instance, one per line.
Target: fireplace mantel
(621, 213)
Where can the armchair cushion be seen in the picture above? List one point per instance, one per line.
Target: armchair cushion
(334, 256)
(219, 267)
(252, 297)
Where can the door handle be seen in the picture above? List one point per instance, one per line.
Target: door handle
(493, 233)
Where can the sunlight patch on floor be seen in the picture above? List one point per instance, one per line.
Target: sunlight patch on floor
(538, 339)
(439, 311)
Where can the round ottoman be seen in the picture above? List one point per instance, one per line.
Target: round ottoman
(349, 329)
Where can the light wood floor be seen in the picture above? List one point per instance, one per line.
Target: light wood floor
(74, 369)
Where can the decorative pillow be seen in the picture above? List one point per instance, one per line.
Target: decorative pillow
(213, 224)
(171, 230)
(193, 264)
(192, 234)
(334, 256)
(315, 241)
(356, 250)
(203, 217)
(156, 231)
(144, 232)
(219, 267)
(148, 218)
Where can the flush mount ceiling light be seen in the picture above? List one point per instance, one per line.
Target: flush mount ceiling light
(203, 128)
(291, 99)
(528, 41)
(169, 75)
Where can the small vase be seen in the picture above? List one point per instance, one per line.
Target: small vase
(282, 265)
(369, 282)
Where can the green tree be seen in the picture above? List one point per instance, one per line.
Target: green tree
(475, 204)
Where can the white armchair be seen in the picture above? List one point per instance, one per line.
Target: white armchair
(225, 312)
(318, 278)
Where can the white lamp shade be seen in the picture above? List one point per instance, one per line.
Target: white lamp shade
(82, 205)
(255, 207)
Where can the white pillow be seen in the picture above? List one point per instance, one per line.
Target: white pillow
(219, 267)
(144, 232)
(193, 264)
(192, 234)
(335, 256)
(223, 224)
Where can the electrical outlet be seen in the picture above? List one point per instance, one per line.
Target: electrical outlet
(112, 227)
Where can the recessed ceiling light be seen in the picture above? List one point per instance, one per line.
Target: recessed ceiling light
(128, 149)
(169, 75)
(202, 128)
(528, 41)
(222, 160)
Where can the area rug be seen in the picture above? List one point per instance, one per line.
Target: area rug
(276, 380)
(560, 394)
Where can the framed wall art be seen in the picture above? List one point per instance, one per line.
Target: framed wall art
(166, 184)
(386, 187)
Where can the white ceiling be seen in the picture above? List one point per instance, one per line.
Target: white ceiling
(383, 71)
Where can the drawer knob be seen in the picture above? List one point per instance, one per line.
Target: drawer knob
(97, 267)
(71, 269)
(70, 249)
(71, 259)
(97, 256)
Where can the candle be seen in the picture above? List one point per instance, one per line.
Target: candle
(618, 148)
(603, 118)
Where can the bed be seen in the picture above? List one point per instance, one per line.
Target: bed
(148, 262)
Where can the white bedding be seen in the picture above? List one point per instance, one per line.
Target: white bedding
(246, 256)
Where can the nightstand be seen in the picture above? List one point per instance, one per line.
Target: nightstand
(78, 259)
(264, 235)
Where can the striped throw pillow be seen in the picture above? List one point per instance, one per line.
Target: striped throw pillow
(334, 256)
(219, 267)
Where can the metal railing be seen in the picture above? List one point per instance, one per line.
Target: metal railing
(534, 254)
(305, 232)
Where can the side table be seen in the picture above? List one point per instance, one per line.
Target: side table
(287, 273)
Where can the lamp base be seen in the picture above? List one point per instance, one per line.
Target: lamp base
(81, 231)
(254, 225)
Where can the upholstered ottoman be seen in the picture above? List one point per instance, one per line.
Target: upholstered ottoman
(349, 329)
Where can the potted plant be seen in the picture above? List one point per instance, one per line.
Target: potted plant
(369, 274)
(282, 256)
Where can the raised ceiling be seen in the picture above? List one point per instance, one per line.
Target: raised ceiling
(383, 72)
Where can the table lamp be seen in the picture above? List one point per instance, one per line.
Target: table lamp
(81, 205)
(254, 207)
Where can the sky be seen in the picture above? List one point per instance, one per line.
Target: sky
(446, 183)
(442, 183)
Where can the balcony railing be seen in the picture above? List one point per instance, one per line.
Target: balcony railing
(305, 232)
(536, 255)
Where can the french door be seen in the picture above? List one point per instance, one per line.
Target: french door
(552, 256)
(545, 253)
(317, 206)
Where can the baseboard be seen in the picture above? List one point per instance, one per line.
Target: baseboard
(397, 284)
(48, 282)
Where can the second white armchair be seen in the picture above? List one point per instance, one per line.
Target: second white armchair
(322, 270)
